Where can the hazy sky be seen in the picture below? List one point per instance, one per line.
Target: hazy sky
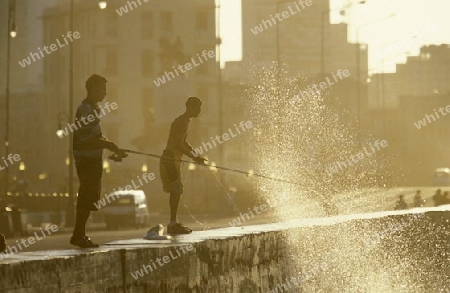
(428, 20)
(231, 26)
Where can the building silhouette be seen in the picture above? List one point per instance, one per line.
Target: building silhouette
(422, 75)
(298, 44)
(398, 101)
(132, 50)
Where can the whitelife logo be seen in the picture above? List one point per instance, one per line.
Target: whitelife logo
(435, 116)
(355, 159)
(314, 90)
(285, 14)
(147, 177)
(188, 66)
(10, 158)
(185, 248)
(198, 151)
(27, 242)
(53, 48)
(243, 217)
(297, 280)
(124, 9)
(90, 118)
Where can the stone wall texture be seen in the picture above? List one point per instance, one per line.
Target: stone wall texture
(397, 253)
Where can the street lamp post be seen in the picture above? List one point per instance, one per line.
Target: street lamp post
(70, 216)
(219, 76)
(11, 34)
(70, 212)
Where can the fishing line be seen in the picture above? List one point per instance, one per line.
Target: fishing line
(321, 197)
(186, 175)
(226, 191)
(217, 167)
(204, 225)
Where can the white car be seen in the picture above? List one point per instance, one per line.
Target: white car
(127, 208)
(441, 177)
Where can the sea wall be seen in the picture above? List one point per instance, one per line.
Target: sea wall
(377, 253)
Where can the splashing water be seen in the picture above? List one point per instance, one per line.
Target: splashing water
(297, 142)
(300, 141)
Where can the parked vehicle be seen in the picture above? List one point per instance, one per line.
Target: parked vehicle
(441, 177)
(129, 208)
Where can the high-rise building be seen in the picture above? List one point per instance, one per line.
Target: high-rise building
(27, 119)
(422, 75)
(405, 110)
(136, 44)
(296, 40)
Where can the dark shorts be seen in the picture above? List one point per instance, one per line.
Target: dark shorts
(90, 175)
(169, 168)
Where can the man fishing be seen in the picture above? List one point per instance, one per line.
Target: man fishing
(177, 146)
(88, 145)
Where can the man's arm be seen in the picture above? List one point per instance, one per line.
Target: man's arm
(179, 130)
(85, 137)
(96, 143)
(187, 149)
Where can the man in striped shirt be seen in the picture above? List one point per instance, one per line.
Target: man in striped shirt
(88, 145)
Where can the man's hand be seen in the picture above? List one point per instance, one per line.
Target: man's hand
(121, 153)
(118, 155)
(110, 145)
(200, 160)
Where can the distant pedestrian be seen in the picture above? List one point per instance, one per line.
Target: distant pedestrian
(438, 198)
(418, 200)
(177, 146)
(401, 204)
(2, 242)
(445, 199)
(88, 145)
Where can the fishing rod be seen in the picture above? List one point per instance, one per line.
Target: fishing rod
(116, 158)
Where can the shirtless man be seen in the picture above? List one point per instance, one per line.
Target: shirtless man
(177, 146)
